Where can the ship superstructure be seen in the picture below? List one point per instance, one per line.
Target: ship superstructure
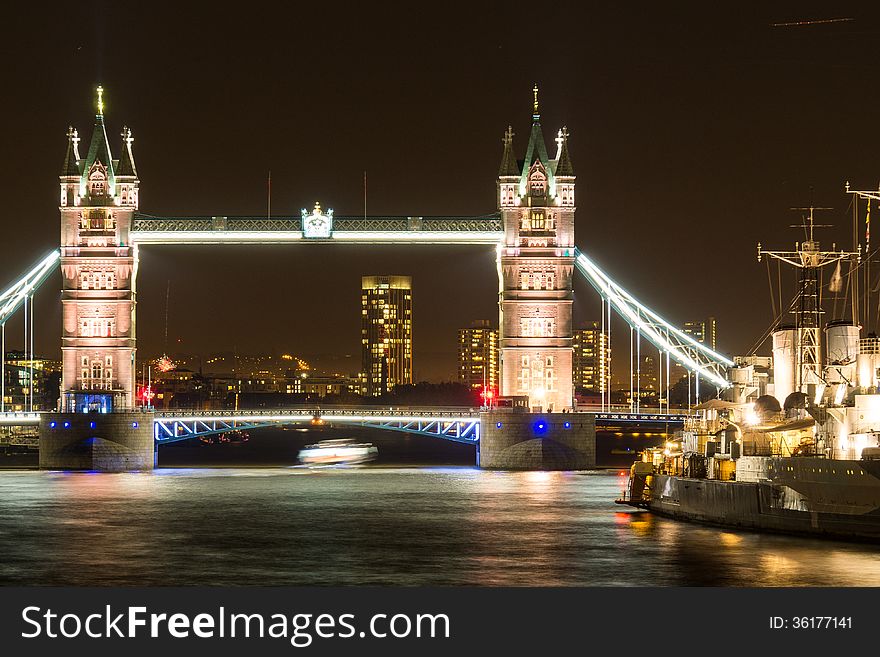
(794, 444)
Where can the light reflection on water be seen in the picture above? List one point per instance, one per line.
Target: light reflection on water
(404, 526)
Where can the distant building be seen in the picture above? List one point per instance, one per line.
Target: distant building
(592, 359)
(18, 394)
(648, 379)
(478, 356)
(320, 385)
(703, 331)
(386, 333)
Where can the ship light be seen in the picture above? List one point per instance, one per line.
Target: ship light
(751, 417)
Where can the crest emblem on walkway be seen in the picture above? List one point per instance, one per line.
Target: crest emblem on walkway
(318, 224)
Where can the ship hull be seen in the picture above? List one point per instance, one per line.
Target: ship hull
(832, 509)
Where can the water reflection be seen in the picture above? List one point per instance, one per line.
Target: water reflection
(373, 525)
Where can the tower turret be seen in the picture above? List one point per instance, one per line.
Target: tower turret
(70, 171)
(564, 171)
(126, 174)
(508, 173)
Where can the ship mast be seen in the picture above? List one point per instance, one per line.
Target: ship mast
(868, 196)
(808, 258)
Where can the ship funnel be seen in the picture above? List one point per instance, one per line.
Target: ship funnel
(842, 342)
(784, 345)
(868, 361)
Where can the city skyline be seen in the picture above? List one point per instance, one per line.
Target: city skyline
(638, 180)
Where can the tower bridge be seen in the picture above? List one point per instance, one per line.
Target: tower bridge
(532, 233)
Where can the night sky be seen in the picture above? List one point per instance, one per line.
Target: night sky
(693, 131)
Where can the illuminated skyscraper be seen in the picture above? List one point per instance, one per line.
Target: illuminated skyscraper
(592, 359)
(386, 332)
(478, 356)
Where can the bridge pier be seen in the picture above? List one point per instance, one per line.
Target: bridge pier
(106, 442)
(514, 439)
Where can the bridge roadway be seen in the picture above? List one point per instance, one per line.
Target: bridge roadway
(458, 424)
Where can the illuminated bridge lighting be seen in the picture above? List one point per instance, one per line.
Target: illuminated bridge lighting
(14, 296)
(463, 427)
(18, 419)
(683, 348)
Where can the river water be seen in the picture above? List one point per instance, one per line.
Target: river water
(381, 525)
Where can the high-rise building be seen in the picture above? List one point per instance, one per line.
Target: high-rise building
(592, 359)
(386, 332)
(99, 196)
(478, 356)
(703, 331)
(648, 379)
(536, 261)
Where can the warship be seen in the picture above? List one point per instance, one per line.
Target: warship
(793, 444)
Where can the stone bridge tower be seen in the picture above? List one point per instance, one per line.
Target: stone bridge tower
(99, 196)
(536, 261)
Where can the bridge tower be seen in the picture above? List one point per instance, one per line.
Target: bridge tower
(536, 261)
(99, 196)
(535, 267)
(97, 427)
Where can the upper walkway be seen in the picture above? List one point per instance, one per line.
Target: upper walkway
(485, 229)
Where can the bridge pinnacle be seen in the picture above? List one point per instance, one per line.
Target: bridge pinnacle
(535, 114)
(100, 91)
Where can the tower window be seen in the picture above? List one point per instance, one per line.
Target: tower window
(537, 327)
(537, 220)
(537, 184)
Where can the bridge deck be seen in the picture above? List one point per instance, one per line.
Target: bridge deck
(459, 424)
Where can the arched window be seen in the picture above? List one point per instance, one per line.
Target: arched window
(537, 182)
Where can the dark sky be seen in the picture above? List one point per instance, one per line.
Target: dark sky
(693, 130)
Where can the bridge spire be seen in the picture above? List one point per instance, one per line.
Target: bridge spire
(563, 159)
(536, 151)
(536, 116)
(508, 160)
(99, 146)
(71, 158)
(126, 159)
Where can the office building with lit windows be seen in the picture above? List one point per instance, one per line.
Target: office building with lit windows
(592, 359)
(386, 333)
(478, 356)
(703, 331)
